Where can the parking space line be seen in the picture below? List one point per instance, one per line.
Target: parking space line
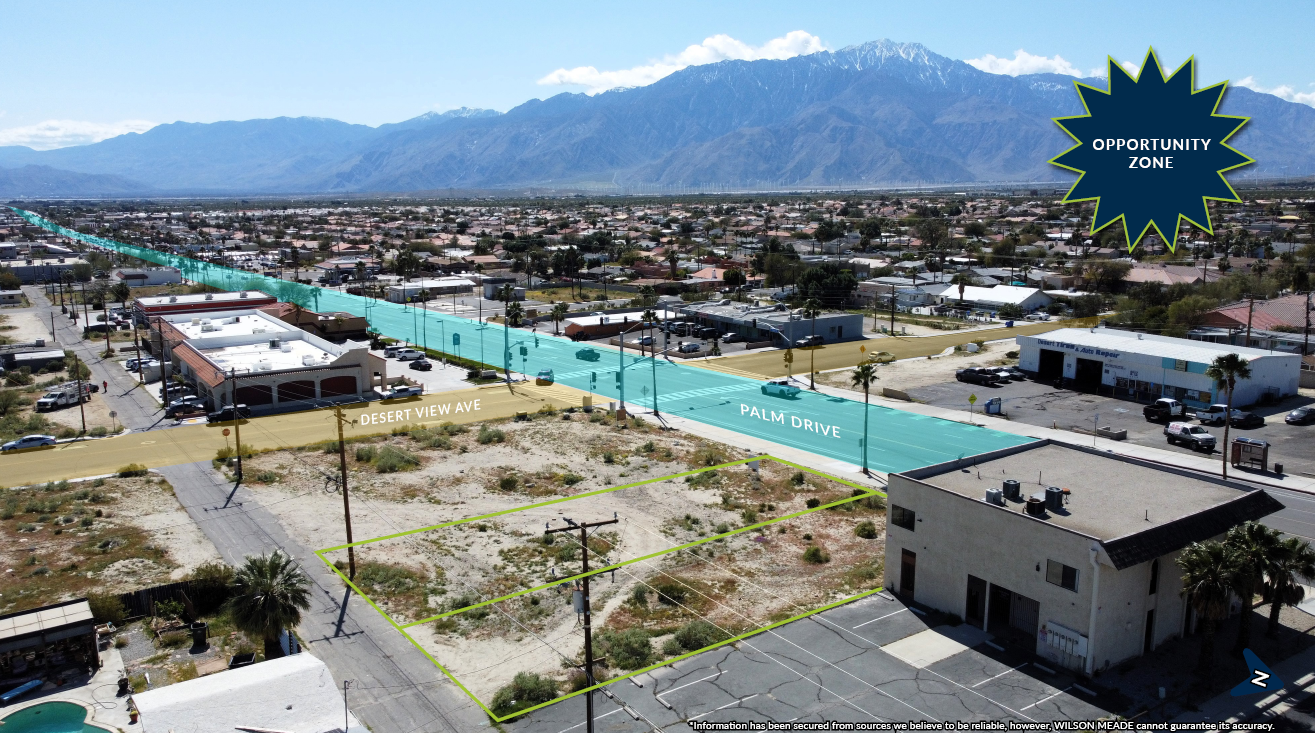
(723, 707)
(596, 717)
(1057, 694)
(865, 623)
(695, 682)
(1002, 674)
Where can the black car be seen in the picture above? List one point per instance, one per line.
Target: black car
(977, 376)
(1300, 416)
(588, 355)
(186, 404)
(422, 365)
(228, 412)
(1247, 420)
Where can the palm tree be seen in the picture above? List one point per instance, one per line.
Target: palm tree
(1292, 560)
(514, 314)
(559, 312)
(963, 280)
(811, 310)
(673, 258)
(1226, 369)
(269, 595)
(863, 376)
(1208, 572)
(1253, 544)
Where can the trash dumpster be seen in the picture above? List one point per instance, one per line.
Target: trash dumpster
(1250, 453)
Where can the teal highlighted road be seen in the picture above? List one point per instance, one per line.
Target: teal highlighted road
(817, 423)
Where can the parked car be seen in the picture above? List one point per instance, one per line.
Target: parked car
(588, 355)
(1037, 317)
(708, 332)
(409, 354)
(1163, 410)
(28, 441)
(146, 362)
(184, 405)
(689, 348)
(1214, 414)
(544, 377)
(1004, 374)
(732, 338)
(645, 341)
(1192, 436)
(805, 342)
(881, 357)
(1300, 416)
(780, 388)
(229, 412)
(1017, 374)
(1247, 420)
(404, 390)
(422, 364)
(977, 376)
(391, 351)
(63, 396)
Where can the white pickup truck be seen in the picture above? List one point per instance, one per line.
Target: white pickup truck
(63, 396)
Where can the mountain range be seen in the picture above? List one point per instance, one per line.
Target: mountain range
(881, 113)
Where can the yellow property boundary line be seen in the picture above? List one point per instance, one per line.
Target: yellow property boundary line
(401, 628)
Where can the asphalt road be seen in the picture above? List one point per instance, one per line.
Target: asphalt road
(830, 666)
(1040, 404)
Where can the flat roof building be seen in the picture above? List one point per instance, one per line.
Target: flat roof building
(250, 357)
(160, 305)
(1076, 561)
(433, 287)
(771, 322)
(1148, 366)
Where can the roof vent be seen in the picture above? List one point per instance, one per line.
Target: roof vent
(209, 296)
(242, 294)
(173, 298)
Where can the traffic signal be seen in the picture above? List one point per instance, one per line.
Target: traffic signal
(789, 356)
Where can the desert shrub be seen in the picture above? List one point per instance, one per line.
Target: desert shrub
(508, 483)
(749, 516)
(571, 479)
(107, 608)
(453, 429)
(670, 593)
(99, 431)
(65, 433)
(169, 608)
(9, 510)
(639, 596)
(267, 477)
(130, 470)
(699, 634)
(578, 680)
(392, 460)
(708, 456)
(813, 502)
(490, 435)
(365, 453)
(215, 574)
(174, 639)
(374, 577)
(609, 456)
(798, 478)
(816, 555)
(671, 647)
(647, 447)
(526, 690)
(629, 649)
(866, 531)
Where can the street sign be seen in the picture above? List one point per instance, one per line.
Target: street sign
(456, 339)
(972, 399)
(225, 432)
(789, 356)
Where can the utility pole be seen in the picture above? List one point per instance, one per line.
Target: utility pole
(892, 308)
(346, 504)
(77, 371)
(346, 714)
(105, 309)
(1305, 344)
(588, 632)
(1250, 309)
(237, 419)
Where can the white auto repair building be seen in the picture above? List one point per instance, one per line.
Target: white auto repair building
(1146, 366)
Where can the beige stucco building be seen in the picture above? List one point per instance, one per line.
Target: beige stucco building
(1090, 578)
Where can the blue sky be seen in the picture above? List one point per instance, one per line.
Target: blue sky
(80, 71)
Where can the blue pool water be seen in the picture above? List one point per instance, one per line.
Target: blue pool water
(50, 717)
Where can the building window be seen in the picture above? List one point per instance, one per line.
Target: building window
(1155, 577)
(901, 517)
(1057, 573)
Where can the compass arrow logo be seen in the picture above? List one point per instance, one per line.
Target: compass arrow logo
(1262, 677)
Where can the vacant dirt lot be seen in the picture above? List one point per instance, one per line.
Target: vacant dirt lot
(446, 475)
(911, 373)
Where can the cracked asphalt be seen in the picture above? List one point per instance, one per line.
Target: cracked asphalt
(823, 668)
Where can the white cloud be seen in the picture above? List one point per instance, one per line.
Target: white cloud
(1024, 63)
(53, 134)
(1283, 91)
(716, 48)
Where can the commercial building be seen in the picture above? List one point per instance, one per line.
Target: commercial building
(148, 308)
(11, 297)
(147, 276)
(1061, 550)
(1147, 366)
(44, 642)
(336, 326)
(992, 299)
(434, 287)
(43, 270)
(775, 323)
(250, 357)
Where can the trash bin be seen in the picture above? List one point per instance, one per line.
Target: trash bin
(199, 633)
(1278, 468)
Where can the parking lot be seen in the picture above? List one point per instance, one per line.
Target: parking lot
(1041, 404)
(871, 660)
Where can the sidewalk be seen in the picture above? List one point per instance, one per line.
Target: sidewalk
(1299, 684)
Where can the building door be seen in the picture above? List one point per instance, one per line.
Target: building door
(1086, 377)
(908, 569)
(1149, 643)
(1050, 365)
(975, 610)
(840, 333)
(1024, 614)
(1001, 598)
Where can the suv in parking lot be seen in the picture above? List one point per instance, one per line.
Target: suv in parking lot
(973, 375)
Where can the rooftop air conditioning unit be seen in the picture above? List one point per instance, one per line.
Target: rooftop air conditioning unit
(242, 294)
(273, 343)
(209, 296)
(207, 327)
(173, 298)
(307, 360)
(196, 321)
(285, 348)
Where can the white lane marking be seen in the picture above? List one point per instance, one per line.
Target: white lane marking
(723, 707)
(695, 682)
(1002, 674)
(865, 623)
(596, 717)
(1057, 694)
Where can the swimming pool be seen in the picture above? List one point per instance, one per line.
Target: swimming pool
(50, 717)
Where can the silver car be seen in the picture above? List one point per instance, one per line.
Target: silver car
(28, 441)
